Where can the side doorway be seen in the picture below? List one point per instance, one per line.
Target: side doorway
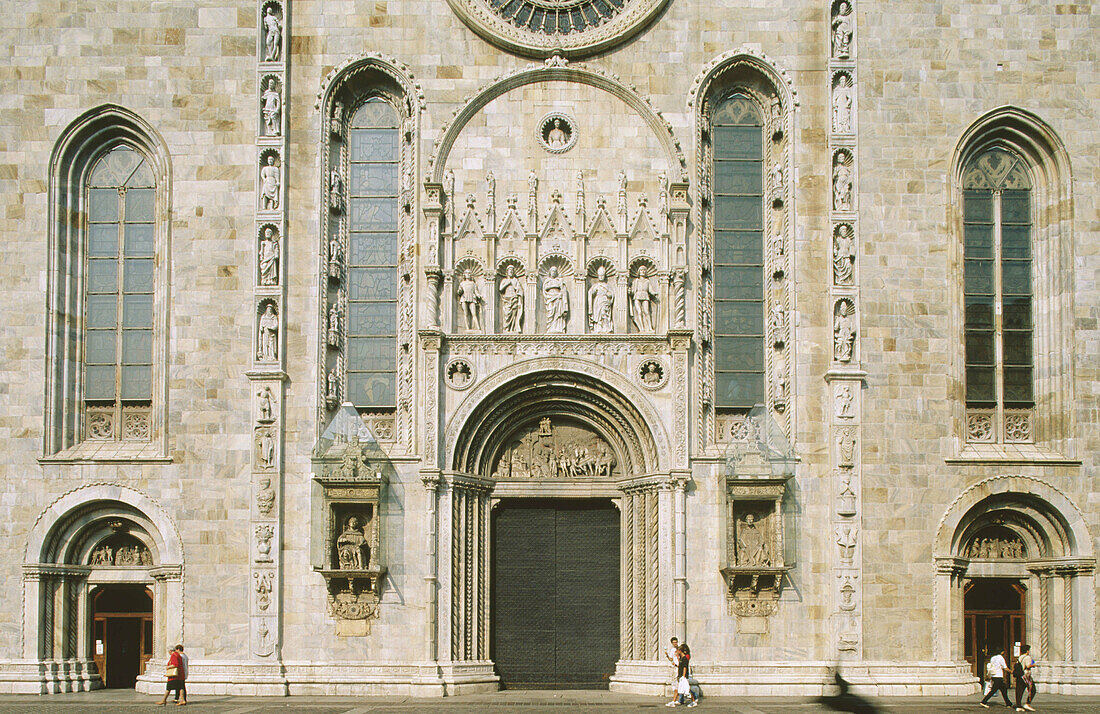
(993, 620)
(122, 633)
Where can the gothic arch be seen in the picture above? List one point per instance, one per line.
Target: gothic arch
(558, 69)
(597, 396)
(1027, 136)
(78, 148)
(755, 77)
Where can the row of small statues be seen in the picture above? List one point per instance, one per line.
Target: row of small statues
(122, 555)
(555, 291)
(996, 548)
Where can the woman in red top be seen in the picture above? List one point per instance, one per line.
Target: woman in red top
(177, 675)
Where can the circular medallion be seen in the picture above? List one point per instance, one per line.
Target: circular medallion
(571, 28)
(460, 374)
(652, 374)
(557, 132)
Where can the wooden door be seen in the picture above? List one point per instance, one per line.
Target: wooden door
(993, 620)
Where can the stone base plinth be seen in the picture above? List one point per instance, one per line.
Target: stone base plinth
(801, 679)
(1068, 678)
(48, 676)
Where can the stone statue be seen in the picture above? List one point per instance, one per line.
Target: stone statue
(335, 257)
(269, 257)
(844, 332)
(265, 448)
(511, 301)
(555, 296)
(273, 36)
(336, 189)
(270, 176)
(556, 138)
(842, 105)
(460, 375)
(272, 109)
(846, 446)
(269, 335)
(336, 122)
(644, 295)
(844, 255)
(652, 374)
(752, 545)
(842, 32)
(842, 186)
(266, 404)
(334, 324)
(352, 547)
(470, 297)
(601, 299)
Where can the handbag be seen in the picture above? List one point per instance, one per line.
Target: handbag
(683, 686)
(173, 671)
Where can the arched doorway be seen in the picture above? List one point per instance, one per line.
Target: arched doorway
(556, 508)
(994, 620)
(122, 633)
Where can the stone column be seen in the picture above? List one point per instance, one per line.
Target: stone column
(430, 479)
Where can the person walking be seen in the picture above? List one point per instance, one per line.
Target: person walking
(999, 675)
(1022, 672)
(177, 675)
(683, 683)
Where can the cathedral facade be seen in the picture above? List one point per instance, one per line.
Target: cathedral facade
(436, 346)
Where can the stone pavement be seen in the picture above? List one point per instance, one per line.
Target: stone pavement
(526, 702)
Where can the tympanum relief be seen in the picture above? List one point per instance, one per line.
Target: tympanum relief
(125, 552)
(562, 451)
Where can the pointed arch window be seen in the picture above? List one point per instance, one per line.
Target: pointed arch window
(373, 157)
(998, 293)
(107, 301)
(737, 128)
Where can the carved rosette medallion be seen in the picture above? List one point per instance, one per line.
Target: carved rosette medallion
(571, 28)
(652, 374)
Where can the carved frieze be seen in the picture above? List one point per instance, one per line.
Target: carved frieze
(549, 451)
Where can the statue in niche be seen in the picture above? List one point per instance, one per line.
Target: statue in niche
(266, 404)
(269, 335)
(270, 176)
(335, 257)
(644, 295)
(842, 185)
(556, 298)
(336, 189)
(334, 324)
(601, 300)
(269, 257)
(844, 255)
(332, 394)
(265, 449)
(469, 296)
(336, 122)
(265, 498)
(842, 105)
(352, 547)
(511, 301)
(842, 31)
(752, 544)
(460, 374)
(272, 109)
(846, 446)
(651, 373)
(273, 36)
(844, 332)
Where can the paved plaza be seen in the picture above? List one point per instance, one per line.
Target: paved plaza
(527, 702)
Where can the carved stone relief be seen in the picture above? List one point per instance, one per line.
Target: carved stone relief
(271, 178)
(264, 533)
(265, 641)
(842, 181)
(643, 297)
(469, 297)
(557, 132)
(265, 498)
(135, 425)
(265, 404)
(601, 300)
(844, 330)
(1010, 548)
(555, 451)
(269, 255)
(753, 541)
(842, 103)
(842, 30)
(510, 289)
(267, 338)
(124, 552)
(843, 401)
(846, 446)
(264, 583)
(337, 196)
(846, 540)
(846, 494)
(844, 255)
(271, 107)
(353, 549)
(265, 448)
(652, 374)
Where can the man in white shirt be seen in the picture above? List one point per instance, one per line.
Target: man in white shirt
(998, 670)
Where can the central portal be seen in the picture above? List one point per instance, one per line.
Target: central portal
(555, 593)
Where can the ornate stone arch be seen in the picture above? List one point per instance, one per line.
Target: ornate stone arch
(755, 76)
(1056, 561)
(59, 567)
(557, 69)
(355, 81)
(607, 401)
(78, 148)
(1025, 135)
